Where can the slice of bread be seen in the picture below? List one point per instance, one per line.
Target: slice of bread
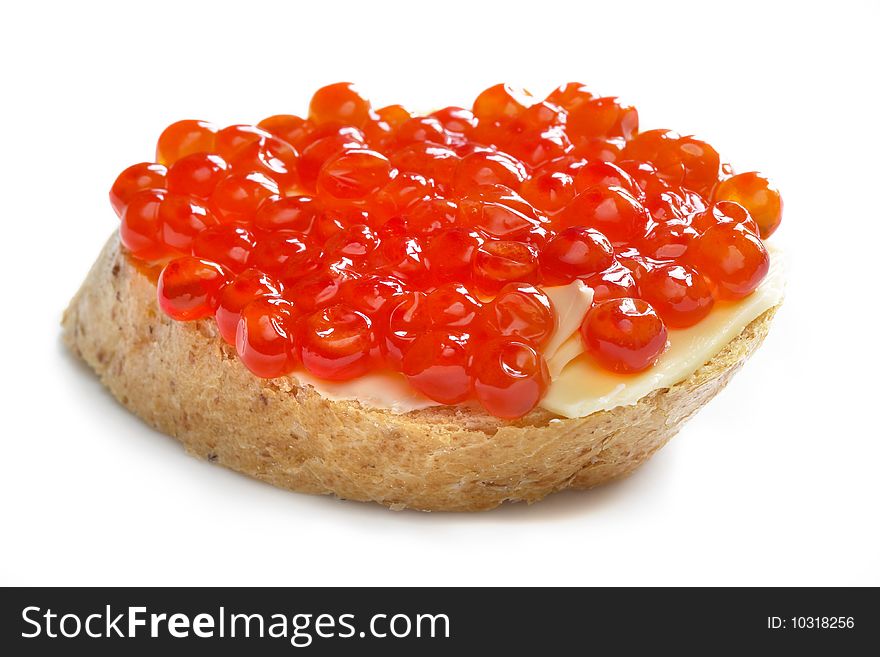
(184, 380)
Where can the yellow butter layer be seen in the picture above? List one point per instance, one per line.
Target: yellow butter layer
(582, 387)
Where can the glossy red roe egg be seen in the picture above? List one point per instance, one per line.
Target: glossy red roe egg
(700, 163)
(188, 288)
(337, 343)
(457, 121)
(238, 195)
(431, 160)
(576, 252)
(633, 261)
(232, 139)
(611, 210)
(141, 228)
(605, 150)
(570, 96)
(377, 133)
(183, 217)
(402, 257)
(549, 191)
(537, 147)
(603, 118)
(649, 146)
(353, 176)
(289, 127)
(500, 103)
(373, 295)
(392, 228)
(355, 242)
(401, 193)
(453, 306)
(624, 335)
(509, 377)
(317, 153)
(265, 339)
(501, 213)
(644, 174)
(668, 240)
(497, 263)
(613, 283)
(757, 195)
(665, 205)
(604, 174)
(287, 255)
(724, 212)
(730, 256)
(540, 116)
(394, 115)
(332, 222)
(520, 311)
(679, 294)
(319, 289)
(340, 102)
(451, 254)
(488, 168)
(197, 174)
(430, 216)
(185, 138)
(136, 178)
(296, 213)
(407, 319)
(384, 124)
(421, 129)
(317, 133)
(436, 364)
(248, 286)
(226, 244)
(274, 158)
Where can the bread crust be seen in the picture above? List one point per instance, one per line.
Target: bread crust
(184, 380)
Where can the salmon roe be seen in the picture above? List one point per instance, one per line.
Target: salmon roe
(354, 239)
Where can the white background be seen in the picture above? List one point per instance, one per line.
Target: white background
(775, 482)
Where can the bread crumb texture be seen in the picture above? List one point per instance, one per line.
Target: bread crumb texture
(184, 380)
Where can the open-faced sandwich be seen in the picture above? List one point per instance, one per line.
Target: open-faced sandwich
(441, 311)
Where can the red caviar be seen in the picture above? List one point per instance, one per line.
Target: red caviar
(337, 343)
(407, 319)
(188, 288)
(185, 138)
(265, 339)
(136, 178)
(250, 285)
(355, 238)
(757, 195)
(733, 258)
(679, 293)
(183, 218)
(624, 335)
(510, 377)
(437, 365)
(576, 252)
(353, 176)
(197, 174)
(453, 306)
(226, 244)
(520, 311)
(141, 228)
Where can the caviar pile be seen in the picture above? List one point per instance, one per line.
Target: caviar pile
(359, 239)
